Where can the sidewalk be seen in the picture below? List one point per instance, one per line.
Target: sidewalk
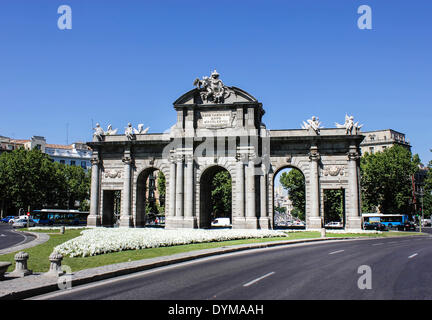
(37, 284)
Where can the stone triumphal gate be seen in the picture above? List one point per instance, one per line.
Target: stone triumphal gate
(219, 128)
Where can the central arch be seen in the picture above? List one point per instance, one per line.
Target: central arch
(289, 212)
(210, 207)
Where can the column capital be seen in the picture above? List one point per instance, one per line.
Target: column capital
(353, 155)
(179, 158)
(189, 158)
(95, 161)
(127, 160)
(314, 156)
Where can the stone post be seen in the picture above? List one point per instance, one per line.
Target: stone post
(21, 265)
(55, 269)
(172, 187)
(251, 217)
(126, 217)
(94, 218)
(314, 220)
(189, 193)
(179, 187)
(353, 214)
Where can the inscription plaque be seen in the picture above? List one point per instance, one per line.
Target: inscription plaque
(217, 119)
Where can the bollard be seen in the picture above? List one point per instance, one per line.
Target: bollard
(62, 229)
(3, 268)
(21, 265)
(323, 232)
(55, 269)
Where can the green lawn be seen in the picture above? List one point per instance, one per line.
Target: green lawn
(38, 261)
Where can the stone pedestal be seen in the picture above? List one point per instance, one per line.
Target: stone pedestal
(55, 269)
(3, 268)
(190, 222)
(21, 265)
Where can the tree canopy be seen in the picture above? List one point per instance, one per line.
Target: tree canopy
(221, 194)
(386, 180)
(31, 178)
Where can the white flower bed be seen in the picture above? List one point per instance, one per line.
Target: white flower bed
(103, 240)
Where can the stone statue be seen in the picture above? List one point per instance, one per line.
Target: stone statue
(110, 131)
(212, 88)
(313, 123)
(349, 125)
(129, 132)
(141, 129)
(98, 132)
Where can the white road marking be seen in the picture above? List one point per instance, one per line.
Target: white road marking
(378, 244)
(336, 251)
(412, 256)
(2, 235)
(257, 279)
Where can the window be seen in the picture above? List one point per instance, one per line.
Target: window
(371, 149)
(72, 162)
(62, 161)
(83, 165)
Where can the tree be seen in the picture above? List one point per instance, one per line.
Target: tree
(221, 194)
(427, 199)
(161, 187)
(294, 182)
(386, 180)
(75, 185)
(26, 178)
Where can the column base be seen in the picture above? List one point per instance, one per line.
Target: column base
(190, 222)
(173, 222)
(353, 223)
(93, 221)
(264, 223)
(313, 223)
(126, 222)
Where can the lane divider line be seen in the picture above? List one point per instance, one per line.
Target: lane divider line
(412, 256)
(336, 251)
(258, 279)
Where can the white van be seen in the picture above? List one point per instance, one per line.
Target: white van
(221, 222)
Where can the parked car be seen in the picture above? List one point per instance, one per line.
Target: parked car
(427, 222)
(6, 219)
(13, 219)
(334, 224)
(22, 223)
(407, 226)
(221, 222)
(374, 226)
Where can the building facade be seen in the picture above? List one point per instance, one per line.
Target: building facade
(76, 154)
(380, 140)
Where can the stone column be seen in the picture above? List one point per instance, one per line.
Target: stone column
(172, 188)
(126, 217)
(238, 220)
(264, 221)
(179, 188)
(189, 219)
(94, 218)
(314, 219)
(353, 212)
(251, 217)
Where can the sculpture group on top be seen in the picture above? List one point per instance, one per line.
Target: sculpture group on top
(130, 132)
(212, 89)
(349, 125)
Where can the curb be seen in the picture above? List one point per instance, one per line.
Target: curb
(38, 284)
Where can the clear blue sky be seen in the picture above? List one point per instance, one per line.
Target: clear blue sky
(130, 60)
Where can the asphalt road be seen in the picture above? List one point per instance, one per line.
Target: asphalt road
(9, 238)
(400, 268)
